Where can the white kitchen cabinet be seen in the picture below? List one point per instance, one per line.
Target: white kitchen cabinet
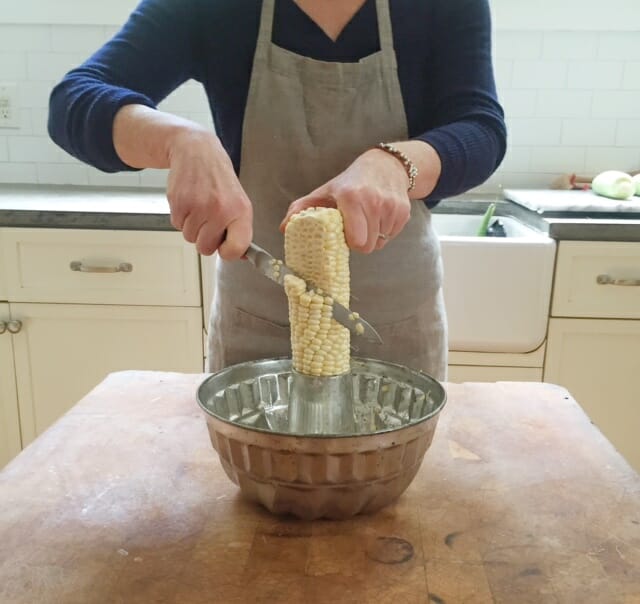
(496, 366)
(593, 346)
(598, 361)
(10, 441)
(64, 350)
(90, 302)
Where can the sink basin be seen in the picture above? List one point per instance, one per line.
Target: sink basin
(497, 290)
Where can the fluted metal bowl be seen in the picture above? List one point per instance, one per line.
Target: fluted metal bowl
(321, 475)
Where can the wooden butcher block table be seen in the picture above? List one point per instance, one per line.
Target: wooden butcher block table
(520, 499)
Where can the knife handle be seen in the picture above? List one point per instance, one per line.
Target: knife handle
(252, 253)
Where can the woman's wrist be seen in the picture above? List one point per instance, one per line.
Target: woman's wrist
(427, 162)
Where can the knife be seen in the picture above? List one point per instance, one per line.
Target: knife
(265, 264)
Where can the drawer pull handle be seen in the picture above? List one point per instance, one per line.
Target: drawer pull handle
(14, 326)
(3, 327)
(123, 267)
(608, 280)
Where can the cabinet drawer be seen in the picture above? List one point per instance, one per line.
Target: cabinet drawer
(459, 374)
(597, 279)
(101, 267)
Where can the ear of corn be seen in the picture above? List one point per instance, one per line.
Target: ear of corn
(316, 250)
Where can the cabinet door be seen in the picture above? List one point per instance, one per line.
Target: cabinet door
(64, 350)
(10, 443)
(598, 361)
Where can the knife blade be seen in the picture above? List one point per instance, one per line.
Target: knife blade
(266, 264)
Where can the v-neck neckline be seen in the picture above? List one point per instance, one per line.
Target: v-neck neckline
(347, 25)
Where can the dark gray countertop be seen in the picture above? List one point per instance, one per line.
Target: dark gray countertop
(148, 210)
(84, 208)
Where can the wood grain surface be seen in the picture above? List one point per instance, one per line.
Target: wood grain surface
(520, 499)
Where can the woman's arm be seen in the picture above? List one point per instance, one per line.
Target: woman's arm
(470, 134)
(104, 114)
(154, 52)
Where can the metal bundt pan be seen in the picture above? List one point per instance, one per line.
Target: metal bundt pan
(320, 475)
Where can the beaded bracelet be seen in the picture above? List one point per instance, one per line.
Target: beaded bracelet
(410, 167)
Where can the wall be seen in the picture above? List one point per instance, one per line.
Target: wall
(572, 98)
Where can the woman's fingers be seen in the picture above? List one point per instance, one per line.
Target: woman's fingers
(238, 237)
(356, 224)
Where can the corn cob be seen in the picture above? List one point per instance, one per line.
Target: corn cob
(315, 249)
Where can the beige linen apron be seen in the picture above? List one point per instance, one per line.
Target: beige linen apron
(305, 122)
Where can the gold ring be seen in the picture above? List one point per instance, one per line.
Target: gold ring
(383, 236)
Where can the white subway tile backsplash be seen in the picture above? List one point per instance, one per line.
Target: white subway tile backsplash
(39, 118)
(600, 159)
(78, 39)
(24, 37)
(596, 75)
(558, 159)
(493, 185)
(589, 132)
(564, 103)
(516, 180)
(51, 66)
(36, 149)
(154, 178)
(572, 101)
(631, 77)
(13, 66)
(618, 103)
(519, 103)
(534, 131)
(110, 31)
(517, 45)
(63, 174)
(25, 127)
(517, 159)
(204, 119)
(14, 172)
(118, 179)
(35, 95)
(569, 45)
(540, 75)
(628, 133)
(188, 98)
(615, 46)
(503, 73)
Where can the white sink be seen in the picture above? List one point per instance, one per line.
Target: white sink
(497, 290)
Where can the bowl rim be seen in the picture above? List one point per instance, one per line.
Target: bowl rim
(297, 435)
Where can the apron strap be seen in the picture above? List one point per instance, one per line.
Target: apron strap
(385, 31)
(265, 33)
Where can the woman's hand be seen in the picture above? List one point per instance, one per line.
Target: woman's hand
(372, 196)
(206, 199)
(207, 202)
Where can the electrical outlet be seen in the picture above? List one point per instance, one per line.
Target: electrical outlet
(9, 116)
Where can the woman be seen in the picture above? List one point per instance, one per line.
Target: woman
(302, 92)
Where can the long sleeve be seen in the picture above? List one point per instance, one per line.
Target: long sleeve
(470, 133)
(154, 52)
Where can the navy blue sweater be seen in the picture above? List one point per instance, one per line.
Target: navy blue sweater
(443, 49)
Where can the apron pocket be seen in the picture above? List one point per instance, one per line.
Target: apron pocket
(244, 318)
(401, 342)
(249, 337)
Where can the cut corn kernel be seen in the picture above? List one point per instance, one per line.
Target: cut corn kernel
(316, 250)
